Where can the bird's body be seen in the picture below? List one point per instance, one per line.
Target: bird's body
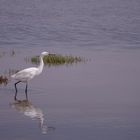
(27, 74)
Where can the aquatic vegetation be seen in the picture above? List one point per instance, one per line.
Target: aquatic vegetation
(2, 54)
(3, 80)
(5, 76)
(10, 53)
(55, 60)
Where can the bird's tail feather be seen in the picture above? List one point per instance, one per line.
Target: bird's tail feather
(13, 76)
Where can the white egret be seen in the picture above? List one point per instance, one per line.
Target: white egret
(27, 74)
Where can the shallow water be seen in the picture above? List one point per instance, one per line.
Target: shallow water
(98, 99)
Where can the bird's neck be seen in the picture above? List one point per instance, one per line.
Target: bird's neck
(41, 65)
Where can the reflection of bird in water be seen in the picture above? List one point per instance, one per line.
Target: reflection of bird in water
(26, 107)
(29, 73)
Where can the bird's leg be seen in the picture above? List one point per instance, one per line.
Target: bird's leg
(16, 89)
(26, 90)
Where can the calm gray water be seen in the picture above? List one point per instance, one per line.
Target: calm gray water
(70, 23)
(96, 100)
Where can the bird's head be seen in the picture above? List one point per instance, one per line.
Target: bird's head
(44, 53)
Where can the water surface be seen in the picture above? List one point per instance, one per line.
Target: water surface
(75, 23)
(98, 99)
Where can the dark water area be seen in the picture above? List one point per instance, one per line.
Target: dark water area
(97, 99)
(76, 23)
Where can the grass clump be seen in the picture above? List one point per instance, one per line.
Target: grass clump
(55, 60)
(5, 53)
(3, 80)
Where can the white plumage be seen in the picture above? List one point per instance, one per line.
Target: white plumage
(29, 73)
(26, 74)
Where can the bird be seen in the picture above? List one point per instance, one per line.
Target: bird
(27, 74)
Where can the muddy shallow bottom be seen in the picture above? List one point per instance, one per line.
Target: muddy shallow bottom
(98, 99)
